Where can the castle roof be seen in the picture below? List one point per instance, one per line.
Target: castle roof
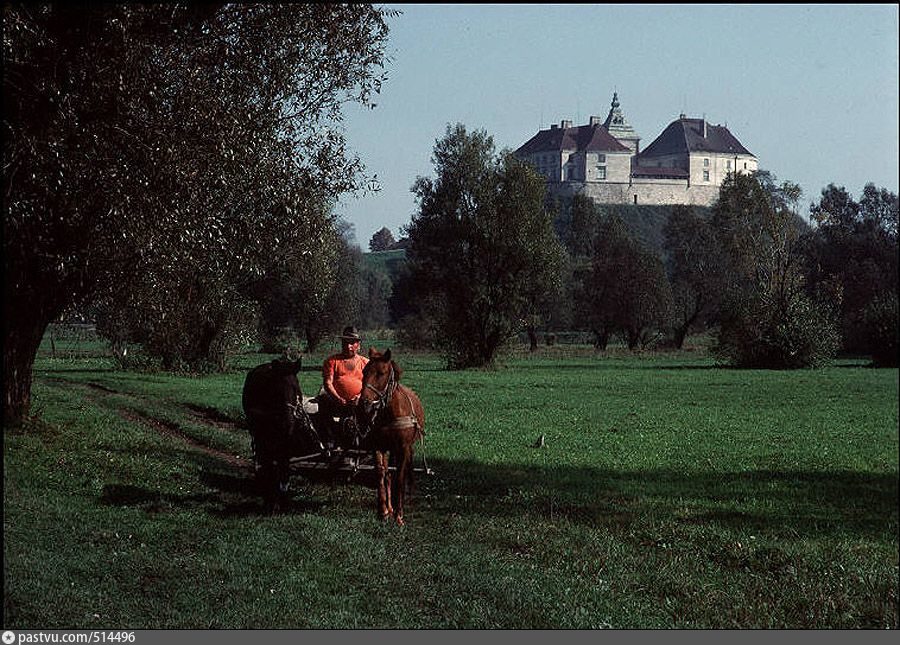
(687, 135)
(583, 138)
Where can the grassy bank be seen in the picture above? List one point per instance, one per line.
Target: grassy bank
(668, 493)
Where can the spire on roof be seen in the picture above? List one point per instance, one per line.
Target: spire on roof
(618, 127)
(615, 117)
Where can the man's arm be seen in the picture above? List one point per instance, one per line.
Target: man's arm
(328, 382)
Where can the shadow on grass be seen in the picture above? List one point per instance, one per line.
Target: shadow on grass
(227, 495)
(789, 504)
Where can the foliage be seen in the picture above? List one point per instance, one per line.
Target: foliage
(171, 140)
(854, 255)
(482, 254)
(197, 323)
(759, 333)
(382, 240)
(768, 318)
(375, 293)
(627, 290)
(695, 272)
(298, 303)
(880, 329)
(379, 277)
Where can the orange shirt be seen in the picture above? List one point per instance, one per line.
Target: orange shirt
(346, 374)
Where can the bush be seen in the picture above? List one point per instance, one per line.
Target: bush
(757, 334)
(880, 329)
(416, 332)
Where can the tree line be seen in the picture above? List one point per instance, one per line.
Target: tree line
(489, 255)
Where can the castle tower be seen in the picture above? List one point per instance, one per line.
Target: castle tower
(619, 128)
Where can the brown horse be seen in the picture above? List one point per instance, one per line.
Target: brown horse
(393, 419)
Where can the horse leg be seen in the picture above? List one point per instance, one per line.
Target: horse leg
(400, 480)
(265, 469)
(282, 484)
(384, 484)
(388, 478)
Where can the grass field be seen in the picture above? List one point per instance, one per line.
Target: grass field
(669, 494)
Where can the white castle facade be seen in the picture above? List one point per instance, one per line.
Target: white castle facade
(686, 164)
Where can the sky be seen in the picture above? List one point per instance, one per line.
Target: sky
(811, 90)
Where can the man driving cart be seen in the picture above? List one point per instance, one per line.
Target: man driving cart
(342, 375)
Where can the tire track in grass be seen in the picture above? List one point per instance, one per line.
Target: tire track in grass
(173, 430)
(100, 395)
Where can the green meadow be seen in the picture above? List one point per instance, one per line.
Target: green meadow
(668, 493)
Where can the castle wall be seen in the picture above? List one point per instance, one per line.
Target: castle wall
(654, 192)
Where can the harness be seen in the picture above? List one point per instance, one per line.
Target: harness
(298, 410)
(384, 398)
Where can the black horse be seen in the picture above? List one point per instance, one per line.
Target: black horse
(272, 403)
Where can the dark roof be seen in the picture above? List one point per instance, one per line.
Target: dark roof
(686, 135)
(583, 138)
(651, 171)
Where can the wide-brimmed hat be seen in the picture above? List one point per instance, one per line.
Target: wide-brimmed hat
(351, 333)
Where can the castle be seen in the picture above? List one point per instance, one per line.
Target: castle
(686, 164)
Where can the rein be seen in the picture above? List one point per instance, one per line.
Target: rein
(385, 395)
(384, 398)
(299, 412)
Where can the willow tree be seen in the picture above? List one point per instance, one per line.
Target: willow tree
(164, 137)
(482, 254)
(768, 317)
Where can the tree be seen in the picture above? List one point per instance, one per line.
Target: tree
(768, 317)
(382, 240)
(482, 253)
(167, 138)
(695, 271)
(627, 291)
(296, 303)
(853, 256)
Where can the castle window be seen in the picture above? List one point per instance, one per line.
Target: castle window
(601, 158)
(728, 164)
(601, 172)
(745, 165)
(706, 162)
(705, 175)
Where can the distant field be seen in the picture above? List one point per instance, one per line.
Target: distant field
(388, 261)
(669, 494)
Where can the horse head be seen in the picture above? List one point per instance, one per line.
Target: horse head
(380, 378)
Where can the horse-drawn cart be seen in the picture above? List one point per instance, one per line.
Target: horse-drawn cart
(342, 455)
(289, 433)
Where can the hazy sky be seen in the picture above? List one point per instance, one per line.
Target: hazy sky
(811, 90)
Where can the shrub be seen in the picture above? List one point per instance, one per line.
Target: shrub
(880, 329)
(756, 334)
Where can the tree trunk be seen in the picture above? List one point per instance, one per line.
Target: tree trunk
(313, 337)
(25, 321)
(679, 336)
(633, 338)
